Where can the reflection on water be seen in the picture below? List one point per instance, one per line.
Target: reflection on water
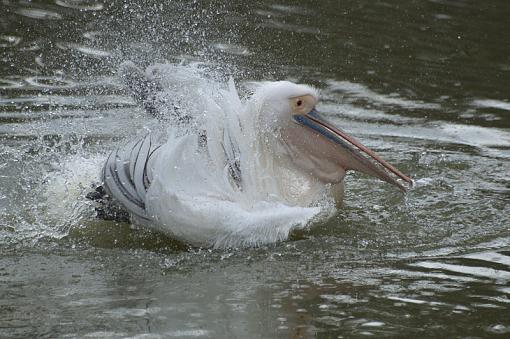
(425, 83)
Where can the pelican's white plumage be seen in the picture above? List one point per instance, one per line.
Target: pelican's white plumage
(193, 196)
(227, 172)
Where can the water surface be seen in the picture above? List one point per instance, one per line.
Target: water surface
(424, 83)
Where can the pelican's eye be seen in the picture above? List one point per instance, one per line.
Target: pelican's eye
(302, 104)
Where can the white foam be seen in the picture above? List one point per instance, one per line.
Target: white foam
(65, 189)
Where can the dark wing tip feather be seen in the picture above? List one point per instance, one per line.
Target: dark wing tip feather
(125, 175)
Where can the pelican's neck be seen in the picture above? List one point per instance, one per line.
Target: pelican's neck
(267, 166)
(282, 176)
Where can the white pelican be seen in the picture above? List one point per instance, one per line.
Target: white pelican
(236, 172)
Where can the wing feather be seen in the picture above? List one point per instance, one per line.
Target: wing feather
(125, 174)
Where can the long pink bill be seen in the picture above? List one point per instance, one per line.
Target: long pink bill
(353, 150)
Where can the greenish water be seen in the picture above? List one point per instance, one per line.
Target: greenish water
(424, 83)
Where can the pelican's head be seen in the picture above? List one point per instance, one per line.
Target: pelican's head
(287, 112)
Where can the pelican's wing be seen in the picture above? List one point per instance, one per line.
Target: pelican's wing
(148, 91)
(232, 155)
(126, 177)
(142, 89)
(232, 133)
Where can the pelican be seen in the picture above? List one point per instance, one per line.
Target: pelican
(233, 172)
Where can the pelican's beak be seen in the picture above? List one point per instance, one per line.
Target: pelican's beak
(352, 152)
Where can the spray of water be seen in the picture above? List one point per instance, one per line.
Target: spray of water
(192, 190)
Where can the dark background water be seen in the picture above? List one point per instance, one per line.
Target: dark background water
(425, 83)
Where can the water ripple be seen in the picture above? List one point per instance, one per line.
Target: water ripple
(10, 83)
(361, 91)
(491, 257)
(488, 103)
(49, 82)
(478, 271)
(38, 13)
(90, 51)
(82, 5)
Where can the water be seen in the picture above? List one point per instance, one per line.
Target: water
(424, 83)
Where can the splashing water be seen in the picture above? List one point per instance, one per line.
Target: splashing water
(65, 189)
(50, 199)
(197, 201)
